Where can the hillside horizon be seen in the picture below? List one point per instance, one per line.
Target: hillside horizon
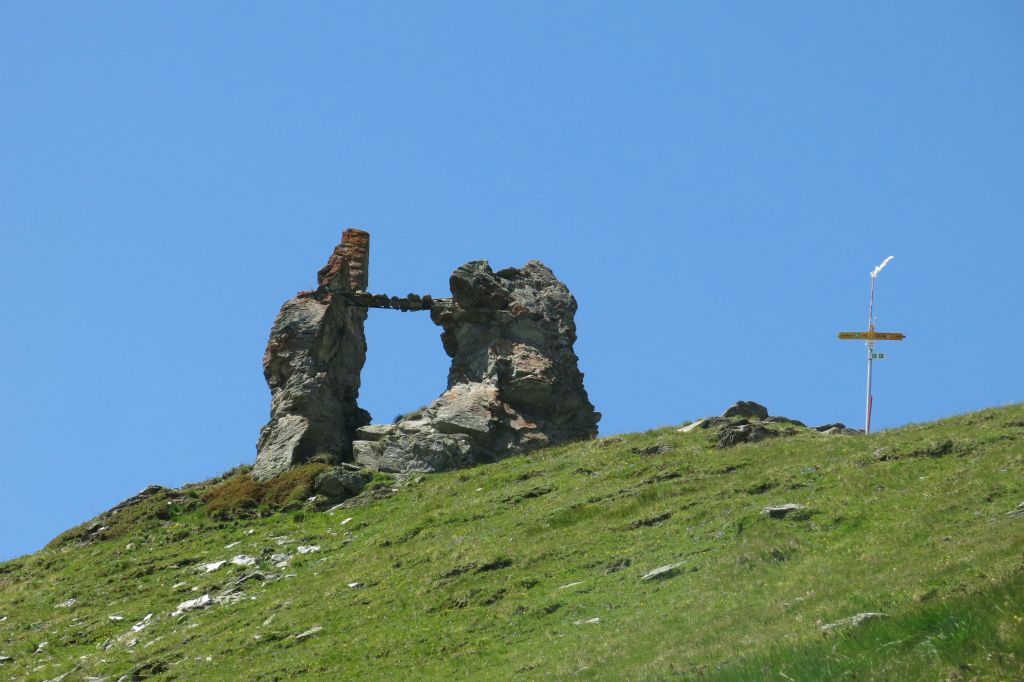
(674, 552)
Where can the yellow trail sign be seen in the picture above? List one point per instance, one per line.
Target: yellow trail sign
(873, 336)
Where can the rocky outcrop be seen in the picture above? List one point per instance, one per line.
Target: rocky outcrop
(748, 409)
(312, 365)
(514, 384)
(747, 422)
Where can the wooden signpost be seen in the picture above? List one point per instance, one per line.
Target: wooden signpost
(870, 336)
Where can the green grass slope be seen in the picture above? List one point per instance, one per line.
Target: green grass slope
(532, 567)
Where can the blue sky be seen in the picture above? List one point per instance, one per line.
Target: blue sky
(713, 180)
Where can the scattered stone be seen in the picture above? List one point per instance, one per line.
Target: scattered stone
(712, 422)
(243, 560)
(40, 647)
(338, 483)
(589, 621)
(115, 619)
(66, 604)
(211, 567)
(782, 510)
(140, 496)
(652, 450)
(735, 434)
(142, 624)
(280, 560)
(661, 572)
(748, 409)
(233, 544)
(229, 598)
(307, 549)
(254, 575)
(578, 582)
(852, 621)
(690, 427)
(837, 429)
(4, 659)
(1018, 512)
(312, 631)
(784, 420)
(355, 586)
(346, 520)
(192, 604)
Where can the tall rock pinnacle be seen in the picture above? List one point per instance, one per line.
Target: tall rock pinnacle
(312, 365)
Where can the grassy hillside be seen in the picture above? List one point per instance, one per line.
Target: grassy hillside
(533, 567)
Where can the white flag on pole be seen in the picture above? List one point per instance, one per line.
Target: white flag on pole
(874, 273)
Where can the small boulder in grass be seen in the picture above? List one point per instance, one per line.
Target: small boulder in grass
(1018, 512)
(310, 632)
(852, 621)
(661, 572)
(782, 510)
(193, 604)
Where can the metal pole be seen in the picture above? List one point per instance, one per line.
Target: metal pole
(868, 401)
(871, 348)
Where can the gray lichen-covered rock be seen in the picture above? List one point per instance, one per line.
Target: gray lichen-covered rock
(748, 409)
(338, 483)
(514, 384)
(312, 364)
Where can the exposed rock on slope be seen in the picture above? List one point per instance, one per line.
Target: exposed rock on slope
(513, 386)
(745, 422)
(312, 364)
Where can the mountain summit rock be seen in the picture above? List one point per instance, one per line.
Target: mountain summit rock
(513, 386)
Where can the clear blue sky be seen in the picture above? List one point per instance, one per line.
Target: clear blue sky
(713, 180)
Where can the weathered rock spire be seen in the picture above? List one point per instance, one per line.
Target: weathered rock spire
(312, 365)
